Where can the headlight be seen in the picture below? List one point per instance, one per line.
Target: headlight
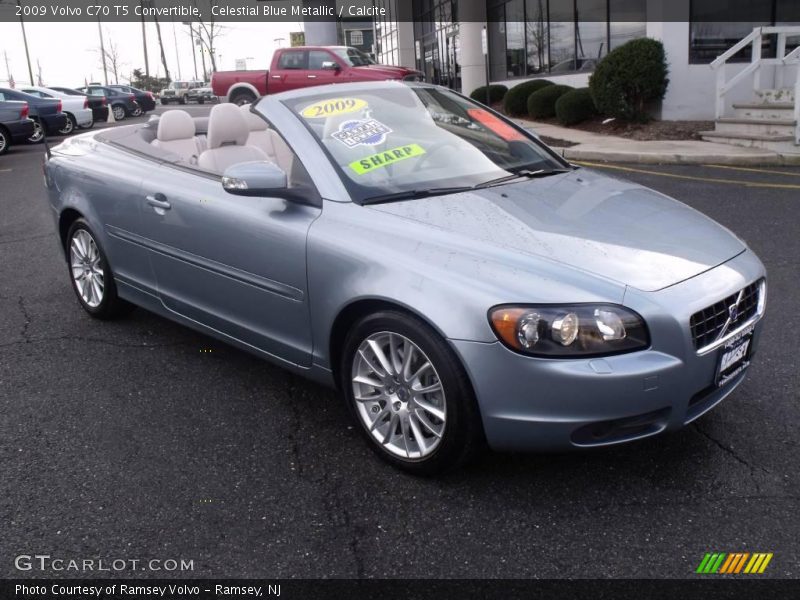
(570, 330)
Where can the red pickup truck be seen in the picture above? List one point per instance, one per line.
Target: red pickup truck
(305, 66)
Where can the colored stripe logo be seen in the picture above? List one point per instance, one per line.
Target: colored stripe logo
(722, 563)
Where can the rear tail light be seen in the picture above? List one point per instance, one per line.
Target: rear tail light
(26, 110)
(131, 97)
(85, 102)
(104, 101)
(60, 107)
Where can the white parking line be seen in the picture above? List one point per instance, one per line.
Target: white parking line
(6, 170)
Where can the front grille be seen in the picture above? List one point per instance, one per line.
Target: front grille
(707, 325)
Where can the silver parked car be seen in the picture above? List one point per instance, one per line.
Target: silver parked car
(454, 278)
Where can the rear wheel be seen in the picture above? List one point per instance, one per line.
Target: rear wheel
(241, 98)
(69, 127)
(91, 276)
(5, 141)
(410, 394)
(119, 112)
(164, 101)
(184, 99)
(38, 132)
(137, 112)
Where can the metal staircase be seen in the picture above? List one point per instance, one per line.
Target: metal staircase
(772, 119)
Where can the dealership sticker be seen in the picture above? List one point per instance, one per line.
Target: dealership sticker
(358, 132)
(333, 107)
(386, 158)
(488, 120)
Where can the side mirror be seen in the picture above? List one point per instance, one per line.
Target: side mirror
(258, 178)
(330, 65)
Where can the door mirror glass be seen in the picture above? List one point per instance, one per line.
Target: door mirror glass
(258, 178)
(330, 65)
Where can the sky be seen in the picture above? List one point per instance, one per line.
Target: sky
(69, 52)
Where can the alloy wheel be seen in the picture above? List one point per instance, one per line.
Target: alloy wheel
(68, 127)
(38, 133)
(86, 266)
(137, 112)
(3, 142)
(399, 396)
(119, 113)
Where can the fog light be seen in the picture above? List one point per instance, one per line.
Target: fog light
(609, 324)
(565, 329)
(528, 330)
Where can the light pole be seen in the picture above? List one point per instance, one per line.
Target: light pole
(102, 51)
(25, 41)
(194, 50)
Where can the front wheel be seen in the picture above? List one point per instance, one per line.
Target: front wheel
(164, 102)
(137, 112)
(410, 394)
(184, 99)
(91, 276)
(69, 127)
(119, 112)
(4, 141)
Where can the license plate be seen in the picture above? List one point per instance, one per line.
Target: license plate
(734, 357)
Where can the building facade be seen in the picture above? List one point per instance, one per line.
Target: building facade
(563, 40)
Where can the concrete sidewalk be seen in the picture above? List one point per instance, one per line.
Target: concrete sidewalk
(610, 148)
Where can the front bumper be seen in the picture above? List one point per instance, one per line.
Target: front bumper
(530, 403)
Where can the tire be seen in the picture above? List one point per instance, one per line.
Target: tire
(412, 438)
(240, 98)
(120, 112)
(201, 100)
(38, 133)
(86, 258)
(164, 102)
(5, 141)
(183, 99)
(70, 126)
(137, 112)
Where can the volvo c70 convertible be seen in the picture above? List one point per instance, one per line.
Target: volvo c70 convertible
(456, 280)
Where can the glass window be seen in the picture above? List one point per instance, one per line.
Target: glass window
(399, 138)
(292, 59)
(536, 36)
(515, 38)
(317, 57)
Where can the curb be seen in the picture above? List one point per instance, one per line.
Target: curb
(655, 158)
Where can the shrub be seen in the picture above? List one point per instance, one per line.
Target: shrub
(496, 93)
(542, 104)
(575, 106)
(515, 103)
(629, 78)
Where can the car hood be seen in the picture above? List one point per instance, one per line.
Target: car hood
(385, 71)
(611, 228)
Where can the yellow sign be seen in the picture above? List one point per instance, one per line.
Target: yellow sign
(333, 107)
(386, 158)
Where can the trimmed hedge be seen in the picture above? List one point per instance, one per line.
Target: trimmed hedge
(515, 103)
(542, 104)
(575, 106)
(496, 93)
(629, 78)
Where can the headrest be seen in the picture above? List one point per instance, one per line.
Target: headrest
(226, 126)
(254, 122)
(175, 125)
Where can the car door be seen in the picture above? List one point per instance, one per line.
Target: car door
(315, 74)
(235, 264)
(291, 72)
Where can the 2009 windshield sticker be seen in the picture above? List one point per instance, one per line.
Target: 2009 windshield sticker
(333, 107)
(386, 158)
(358, 132)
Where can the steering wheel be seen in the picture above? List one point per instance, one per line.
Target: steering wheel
(433, 151)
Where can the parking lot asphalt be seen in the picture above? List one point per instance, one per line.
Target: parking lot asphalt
(142, 439)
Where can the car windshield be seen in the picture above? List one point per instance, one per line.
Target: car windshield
(354, 57)
(401, 140)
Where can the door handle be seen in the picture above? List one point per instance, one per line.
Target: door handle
(158, 201)
(312, 76)
(276, 76)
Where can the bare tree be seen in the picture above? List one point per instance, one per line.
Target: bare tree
(208, 32)
(112, 57)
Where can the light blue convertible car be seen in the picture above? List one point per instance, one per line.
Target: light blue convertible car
(455, 279)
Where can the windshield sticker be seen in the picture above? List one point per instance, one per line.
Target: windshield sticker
(333, 107)
(361, 133)
(495, 125)
(384, 159)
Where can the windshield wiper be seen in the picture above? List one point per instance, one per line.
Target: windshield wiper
(522, 173)
(415, 194)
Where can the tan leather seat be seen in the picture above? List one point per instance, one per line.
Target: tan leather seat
(268, 140)
(176, 134)
(227, 140)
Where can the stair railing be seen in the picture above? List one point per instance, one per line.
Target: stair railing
(781, 61)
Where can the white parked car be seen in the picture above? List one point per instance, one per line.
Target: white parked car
(79, 115)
